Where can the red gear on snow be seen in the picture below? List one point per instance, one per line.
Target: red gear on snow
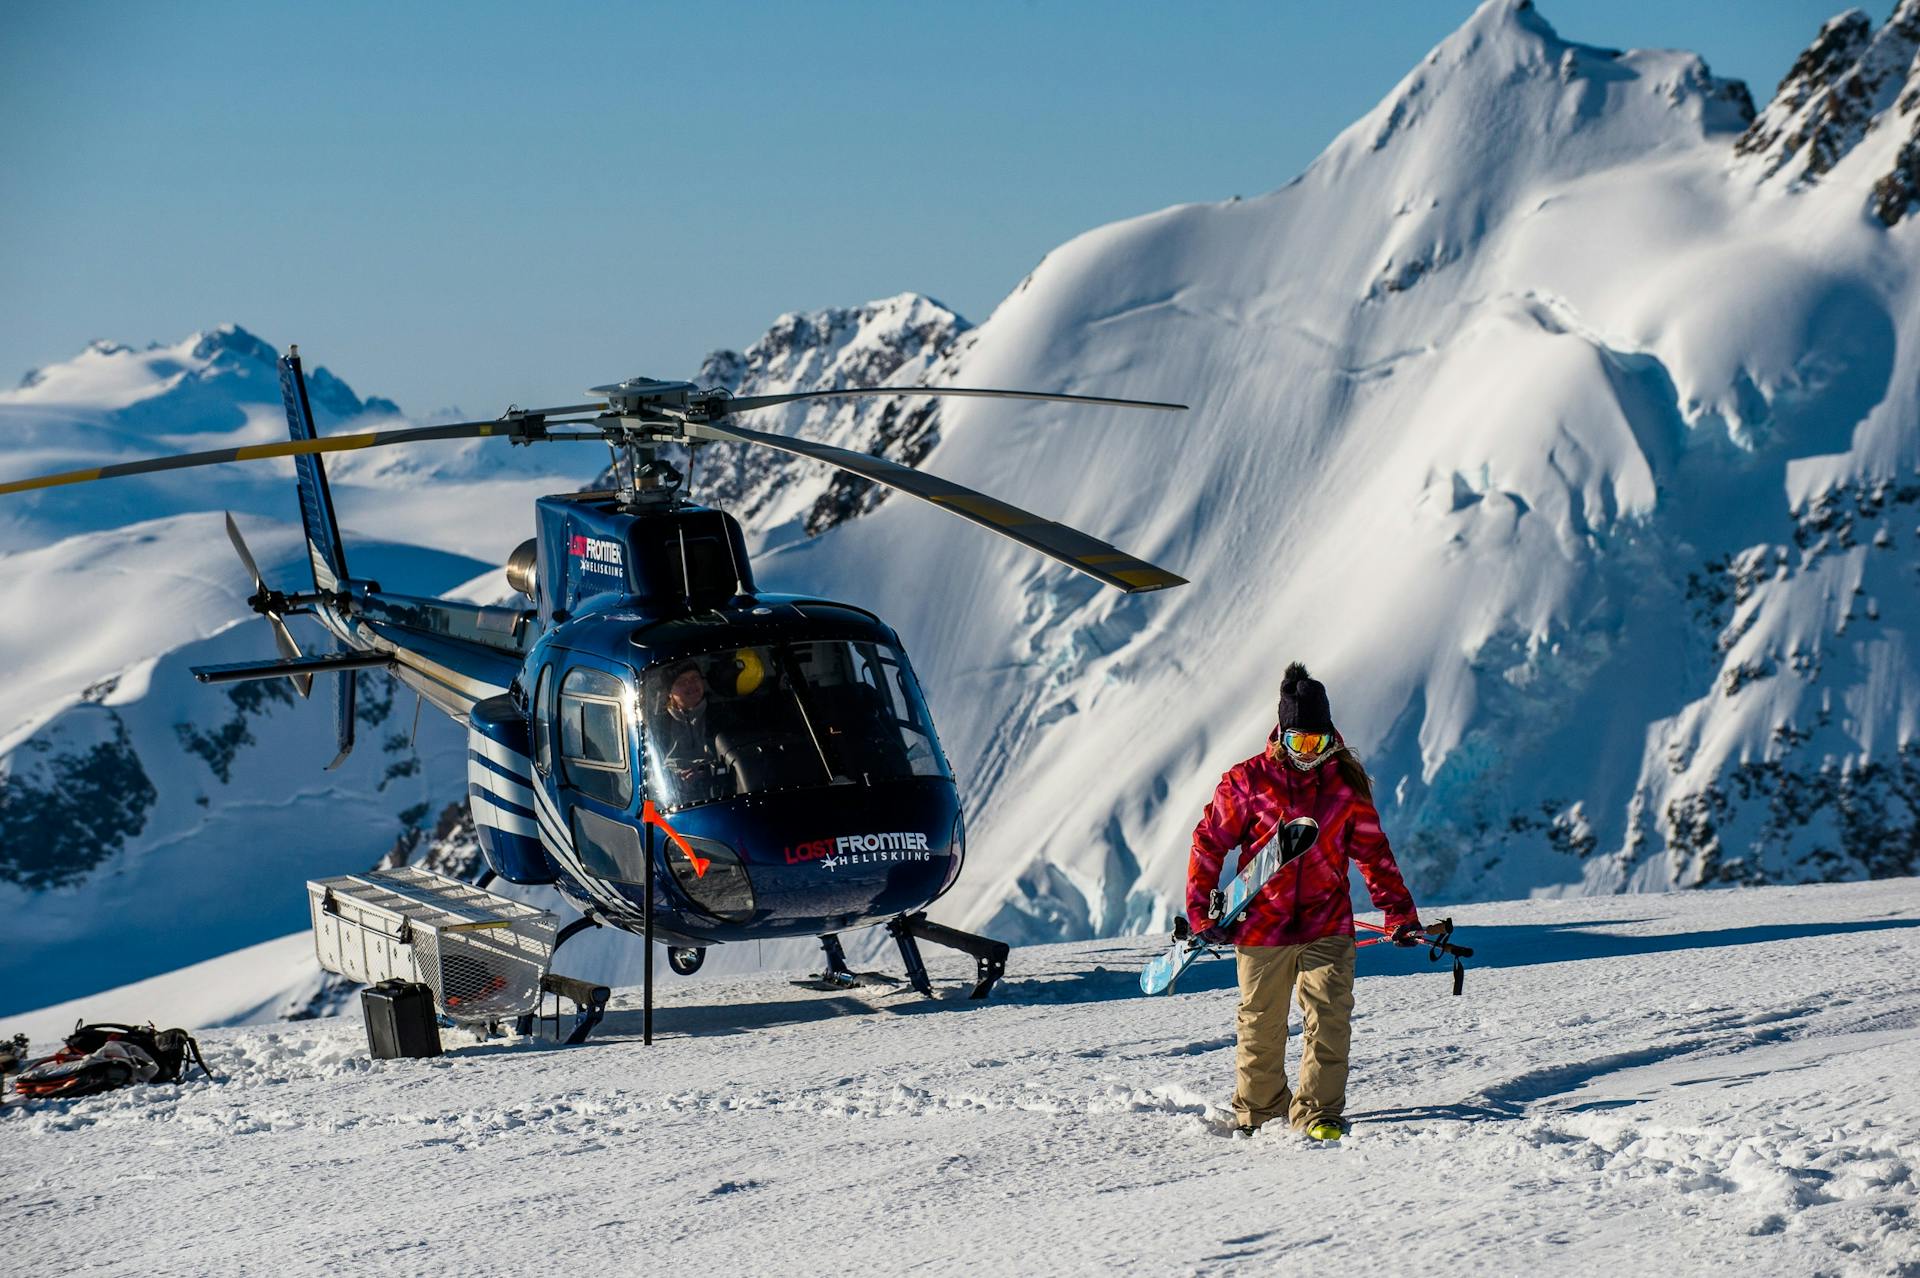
(1308, 899)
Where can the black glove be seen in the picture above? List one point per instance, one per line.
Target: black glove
(1212, 934)
(1406, 936)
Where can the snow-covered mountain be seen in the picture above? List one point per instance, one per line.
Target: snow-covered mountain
(894, 342)
(1561, 415)
(220, 389)
(148, 821)
(145, 820)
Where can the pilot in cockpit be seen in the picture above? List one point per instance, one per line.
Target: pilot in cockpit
(690, 736)
(685, 735)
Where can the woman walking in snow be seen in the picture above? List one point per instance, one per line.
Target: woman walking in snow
(1297, 935)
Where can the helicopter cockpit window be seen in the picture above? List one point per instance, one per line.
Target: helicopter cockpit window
(708, 567)
(543, 722)
(697, 563)
(756, 719)
(872, 719)
(593, 735)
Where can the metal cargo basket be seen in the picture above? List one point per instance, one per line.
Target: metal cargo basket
(484, 956)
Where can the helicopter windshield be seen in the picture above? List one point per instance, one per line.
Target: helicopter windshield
(783, 717)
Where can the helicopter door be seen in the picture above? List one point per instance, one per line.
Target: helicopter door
(595, 731)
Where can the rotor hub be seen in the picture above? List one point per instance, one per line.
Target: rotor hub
(647, 397)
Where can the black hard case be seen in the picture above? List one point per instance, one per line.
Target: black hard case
(400, 1020)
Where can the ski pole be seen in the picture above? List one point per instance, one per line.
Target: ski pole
(1437, 938)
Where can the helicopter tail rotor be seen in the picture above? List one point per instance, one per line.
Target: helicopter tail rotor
(271, 604)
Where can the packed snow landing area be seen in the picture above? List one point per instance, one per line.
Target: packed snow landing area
(1698, 1083)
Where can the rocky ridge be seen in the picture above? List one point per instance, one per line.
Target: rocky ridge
(896, 341)
(1852, 81)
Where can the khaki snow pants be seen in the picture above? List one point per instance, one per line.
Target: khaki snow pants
(1321, 972)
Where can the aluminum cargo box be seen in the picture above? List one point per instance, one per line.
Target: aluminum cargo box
(482, 955)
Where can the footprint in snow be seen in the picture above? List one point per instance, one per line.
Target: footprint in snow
(733, 1187)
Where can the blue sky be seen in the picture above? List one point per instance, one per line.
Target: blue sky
(481, 203)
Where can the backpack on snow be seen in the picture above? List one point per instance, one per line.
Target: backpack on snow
(99, 1058)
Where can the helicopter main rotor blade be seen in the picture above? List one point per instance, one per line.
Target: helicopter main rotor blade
(1070, 546)
(526, 428)
(747, 403)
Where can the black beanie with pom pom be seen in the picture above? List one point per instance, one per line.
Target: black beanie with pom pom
(1303, 702)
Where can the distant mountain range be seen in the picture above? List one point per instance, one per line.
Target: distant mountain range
(1561, 416)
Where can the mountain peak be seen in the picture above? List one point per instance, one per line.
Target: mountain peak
(1507, 79)
(199, 384)
(1517, 16)
(894, 340)
(231, 339)
(1839, 88)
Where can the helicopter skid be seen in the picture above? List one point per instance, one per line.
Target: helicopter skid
(910, 929)
(589, 1006)
(838, 976)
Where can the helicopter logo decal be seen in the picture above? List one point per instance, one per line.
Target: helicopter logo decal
(597, 554)
(859, 849)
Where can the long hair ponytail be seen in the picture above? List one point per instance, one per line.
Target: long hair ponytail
(1353, 772)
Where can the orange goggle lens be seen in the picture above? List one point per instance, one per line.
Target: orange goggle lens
(1306, 742)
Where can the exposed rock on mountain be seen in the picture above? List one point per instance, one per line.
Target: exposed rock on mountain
(70, 799)
(1850, 82)
(899, 341)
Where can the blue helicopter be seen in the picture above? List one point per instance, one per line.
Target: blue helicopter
(679, 753)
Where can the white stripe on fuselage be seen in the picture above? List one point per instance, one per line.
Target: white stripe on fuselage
(513, 792)
(488, 748)
(550, 822)
(487, 813)
(551, 826)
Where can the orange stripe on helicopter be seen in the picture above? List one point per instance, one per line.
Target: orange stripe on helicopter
(650, 815)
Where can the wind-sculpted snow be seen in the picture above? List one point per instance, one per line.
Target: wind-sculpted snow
(1515, 417)
(1700, 1083)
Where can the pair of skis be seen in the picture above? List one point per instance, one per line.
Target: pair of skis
(1287, 844)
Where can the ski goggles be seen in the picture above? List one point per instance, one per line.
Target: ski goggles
(1306, 743)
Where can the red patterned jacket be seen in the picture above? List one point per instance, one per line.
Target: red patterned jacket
(1308, 899)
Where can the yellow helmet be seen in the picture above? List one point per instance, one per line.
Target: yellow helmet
(751, 670)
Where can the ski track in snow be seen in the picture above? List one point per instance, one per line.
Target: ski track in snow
(1704, 1083)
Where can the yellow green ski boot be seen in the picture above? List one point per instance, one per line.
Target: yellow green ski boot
(1327, 1129)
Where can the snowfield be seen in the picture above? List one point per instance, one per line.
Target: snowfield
(1687, 1083)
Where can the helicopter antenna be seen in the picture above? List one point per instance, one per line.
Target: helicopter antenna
(739, 586)
(621, 486)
